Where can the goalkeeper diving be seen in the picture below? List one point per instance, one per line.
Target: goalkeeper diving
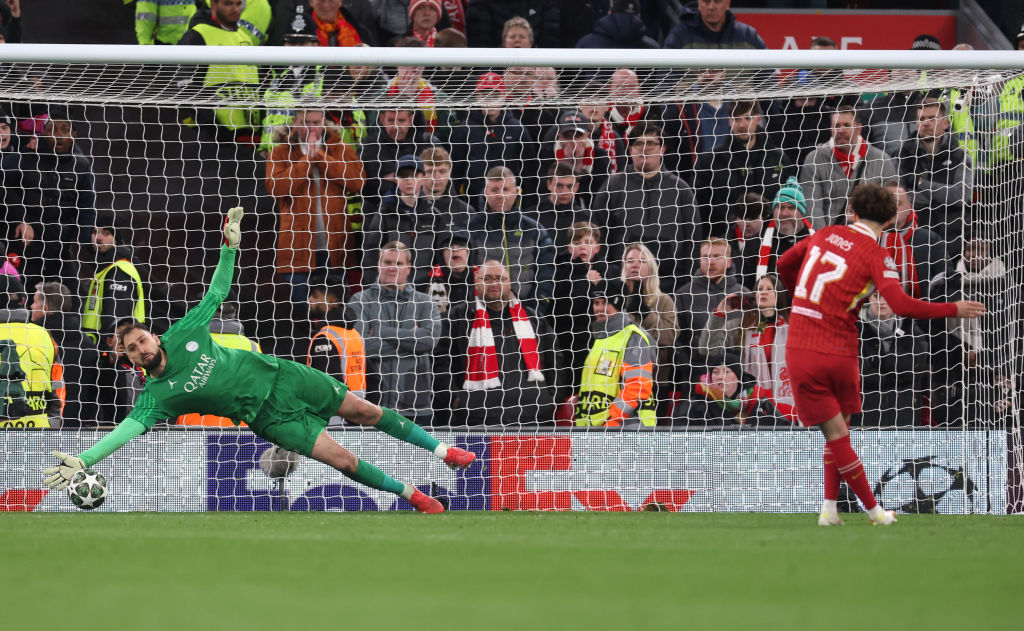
(284, 402)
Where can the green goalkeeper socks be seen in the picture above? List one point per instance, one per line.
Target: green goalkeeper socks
(394, 424)
(374, 478)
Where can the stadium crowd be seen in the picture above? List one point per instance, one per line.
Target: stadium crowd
(512, 264)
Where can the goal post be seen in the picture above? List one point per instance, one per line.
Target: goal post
(664, 183)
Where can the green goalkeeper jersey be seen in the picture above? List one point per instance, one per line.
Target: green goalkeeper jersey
(200, 376)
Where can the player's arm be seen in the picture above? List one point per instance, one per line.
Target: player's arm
(887, 281)
(789, 264)
(138, 421)
(201, 314)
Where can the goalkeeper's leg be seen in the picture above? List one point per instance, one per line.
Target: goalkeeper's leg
(329, 452)
(362, 412)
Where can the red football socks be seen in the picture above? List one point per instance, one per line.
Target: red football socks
(831, 475)
(848, 465)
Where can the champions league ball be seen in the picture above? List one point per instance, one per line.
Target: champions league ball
(88, 489)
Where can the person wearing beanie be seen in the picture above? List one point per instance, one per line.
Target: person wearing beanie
(423, 18)
(832, 170)
(926, 42)
(116, 290)
(722, 395)
(617, 385)
(788, 225)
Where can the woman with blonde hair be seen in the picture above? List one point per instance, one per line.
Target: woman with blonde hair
(652, 309)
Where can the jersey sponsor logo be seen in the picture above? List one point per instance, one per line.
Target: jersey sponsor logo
(321, 348)
(118, 287)
(840, 242)
(192, 346)
(201, 373)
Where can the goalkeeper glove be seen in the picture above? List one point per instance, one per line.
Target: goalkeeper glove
(60, 476)
(232, 227)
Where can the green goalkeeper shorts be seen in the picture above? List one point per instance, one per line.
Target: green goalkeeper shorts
(299, 406)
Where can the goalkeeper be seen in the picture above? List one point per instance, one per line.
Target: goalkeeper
(283, 401)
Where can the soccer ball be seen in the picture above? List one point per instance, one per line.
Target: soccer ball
(88, 489)
(278, 462)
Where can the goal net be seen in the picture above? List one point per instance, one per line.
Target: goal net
(568, 269)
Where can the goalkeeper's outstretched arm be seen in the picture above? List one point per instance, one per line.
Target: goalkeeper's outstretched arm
(201, 314)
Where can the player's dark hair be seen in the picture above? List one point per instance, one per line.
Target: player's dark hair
(644, 128)
(874, 203)
(130, 324)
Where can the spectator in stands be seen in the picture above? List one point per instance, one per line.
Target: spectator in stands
(801, 123)
(722, 394)
(523, 85)
(32, 391)
(890, 364)
(891, 116)
(286, 85)
(650, 205)
(744, 236)
(497, 362)
(747, 162)
(400, 328)
(513, 24)
(336, 347)
(407, 217)
(356, 84)
(1019, 41)
(617, 384)
(831, 171)
(711, 24)
(310, 172)
(255, 20)
(579, 265)
(451, 278)
(571, 145)
(51, 201)
(332, 22)
(503, 232)
(756, 327)
(627, 105)
(927, 250)
(397, 133)
(561, 208)
(490, 136)
(789, 224)
(969, 351)
(52, 308)
(10, 22)
(652, 309)
(423, 18)
(697, 299)
(621, 28)
(450, 79)
(408, 84)
(220, 26)
(396, 15)
(162, 21)
(939, 172)
(437, 188)
(116, 290)
(603, 132)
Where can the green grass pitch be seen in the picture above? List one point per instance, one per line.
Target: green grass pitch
(506, 570)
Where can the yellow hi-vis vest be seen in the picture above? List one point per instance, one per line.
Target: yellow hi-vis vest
(962, 124)
(163, 21)
(233, 82)
(1009, 117)
(601, 381)
(92, 323)
(255, 20)
(31, 376)
(227, 340)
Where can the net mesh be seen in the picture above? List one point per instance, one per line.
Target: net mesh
(537, 183)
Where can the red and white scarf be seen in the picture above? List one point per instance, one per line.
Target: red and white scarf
(482, 360)
(606, 139)
(632, 117)
(456, 14)
(848, 161)
(428, 39)
(899, 248)
(767, 241)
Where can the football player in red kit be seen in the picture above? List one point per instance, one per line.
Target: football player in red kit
(829, 275)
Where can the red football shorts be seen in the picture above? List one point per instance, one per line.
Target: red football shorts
(823, 385)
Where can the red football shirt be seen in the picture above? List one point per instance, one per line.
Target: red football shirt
(839, 267)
